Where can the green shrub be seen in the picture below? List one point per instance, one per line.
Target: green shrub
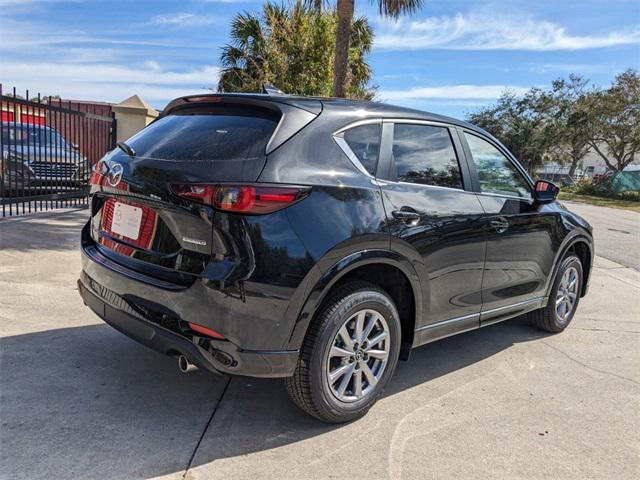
(585, 186)
(631, 196)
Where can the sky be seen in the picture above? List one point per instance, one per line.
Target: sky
(452, 57)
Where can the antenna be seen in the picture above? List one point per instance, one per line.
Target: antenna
(271, 90)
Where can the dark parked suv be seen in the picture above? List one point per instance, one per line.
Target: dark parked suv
(38, 157)
(320, 240)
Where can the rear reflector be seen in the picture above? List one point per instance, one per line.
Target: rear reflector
(205, 331)
(249, 199)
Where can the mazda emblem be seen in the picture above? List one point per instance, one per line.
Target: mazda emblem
(115, 175)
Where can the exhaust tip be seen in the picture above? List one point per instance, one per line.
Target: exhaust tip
(185, 365)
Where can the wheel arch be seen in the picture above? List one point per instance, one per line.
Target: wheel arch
(387, 269)
(582, 247)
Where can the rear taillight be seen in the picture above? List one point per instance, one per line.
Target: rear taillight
(97, 173)
(249, 199)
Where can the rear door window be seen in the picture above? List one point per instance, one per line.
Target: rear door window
(200, 135)
(424, 154)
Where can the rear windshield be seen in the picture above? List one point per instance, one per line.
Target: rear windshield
(205, 135)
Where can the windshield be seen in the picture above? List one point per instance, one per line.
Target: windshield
(31, 135)
(196, 135)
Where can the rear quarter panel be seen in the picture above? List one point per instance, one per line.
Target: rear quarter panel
(343, 214)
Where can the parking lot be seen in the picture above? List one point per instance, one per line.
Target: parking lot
(80, 400)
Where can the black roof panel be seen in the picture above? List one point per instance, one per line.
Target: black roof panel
(360, 108)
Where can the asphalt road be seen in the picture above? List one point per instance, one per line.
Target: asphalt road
(80, 400)
(616, 232)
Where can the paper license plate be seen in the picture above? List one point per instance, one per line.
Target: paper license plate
(126, 220)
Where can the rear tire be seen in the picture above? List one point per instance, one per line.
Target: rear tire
(564, 298)
(349, 354)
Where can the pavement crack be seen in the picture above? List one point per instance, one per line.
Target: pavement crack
(595, 319)
(602, 330)
(206, 427)
(589, 367)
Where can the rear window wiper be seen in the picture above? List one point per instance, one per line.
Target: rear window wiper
(126, 149)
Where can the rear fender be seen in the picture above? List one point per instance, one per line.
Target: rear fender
(323, 283)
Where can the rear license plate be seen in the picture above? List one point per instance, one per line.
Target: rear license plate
(126, 220)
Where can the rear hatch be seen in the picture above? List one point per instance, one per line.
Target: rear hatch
(140, 222)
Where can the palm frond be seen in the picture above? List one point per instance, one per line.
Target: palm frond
(395, 8)
(361, 35)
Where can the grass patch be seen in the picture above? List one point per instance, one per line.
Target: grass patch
(601, 201)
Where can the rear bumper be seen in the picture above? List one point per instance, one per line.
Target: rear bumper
(150, 335)
(217, 356)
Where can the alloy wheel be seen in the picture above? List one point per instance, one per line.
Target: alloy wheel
(358, 356)
(567, 294)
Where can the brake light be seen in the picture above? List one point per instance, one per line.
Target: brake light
(249, 199)
(205, 331)
(203, 99)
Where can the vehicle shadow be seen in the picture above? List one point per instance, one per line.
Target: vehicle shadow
(88, 402)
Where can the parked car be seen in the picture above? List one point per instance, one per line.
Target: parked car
(561, 179)
(34, 156)
(558, 174)
(320, 240)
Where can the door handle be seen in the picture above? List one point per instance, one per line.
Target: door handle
(405, 215)
(500, 226)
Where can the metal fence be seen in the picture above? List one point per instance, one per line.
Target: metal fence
(48, 148)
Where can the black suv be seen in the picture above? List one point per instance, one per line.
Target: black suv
(320, 240)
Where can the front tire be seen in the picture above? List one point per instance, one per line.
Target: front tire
(564, 298)
(349, 354)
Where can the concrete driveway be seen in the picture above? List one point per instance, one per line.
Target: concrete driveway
(616, 232)
(80, 400)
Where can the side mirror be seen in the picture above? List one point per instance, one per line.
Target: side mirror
(545, 192)
(75, 146)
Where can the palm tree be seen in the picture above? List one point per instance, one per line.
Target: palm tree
(292, 48)
(345, 8)
(243, 62)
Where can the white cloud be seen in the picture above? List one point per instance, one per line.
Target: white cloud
(109, 82)
(182, 19)
(485, 30)
(12, 3)
(83, 65)
(21, 34)
(577, 68)
(149, 72)
(464, 93)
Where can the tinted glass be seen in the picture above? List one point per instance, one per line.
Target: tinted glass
(199, 136)
(495, 172)
(425, 154)
(364, 142)
(32, 135)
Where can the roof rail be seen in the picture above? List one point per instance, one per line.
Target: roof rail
(271, 90)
